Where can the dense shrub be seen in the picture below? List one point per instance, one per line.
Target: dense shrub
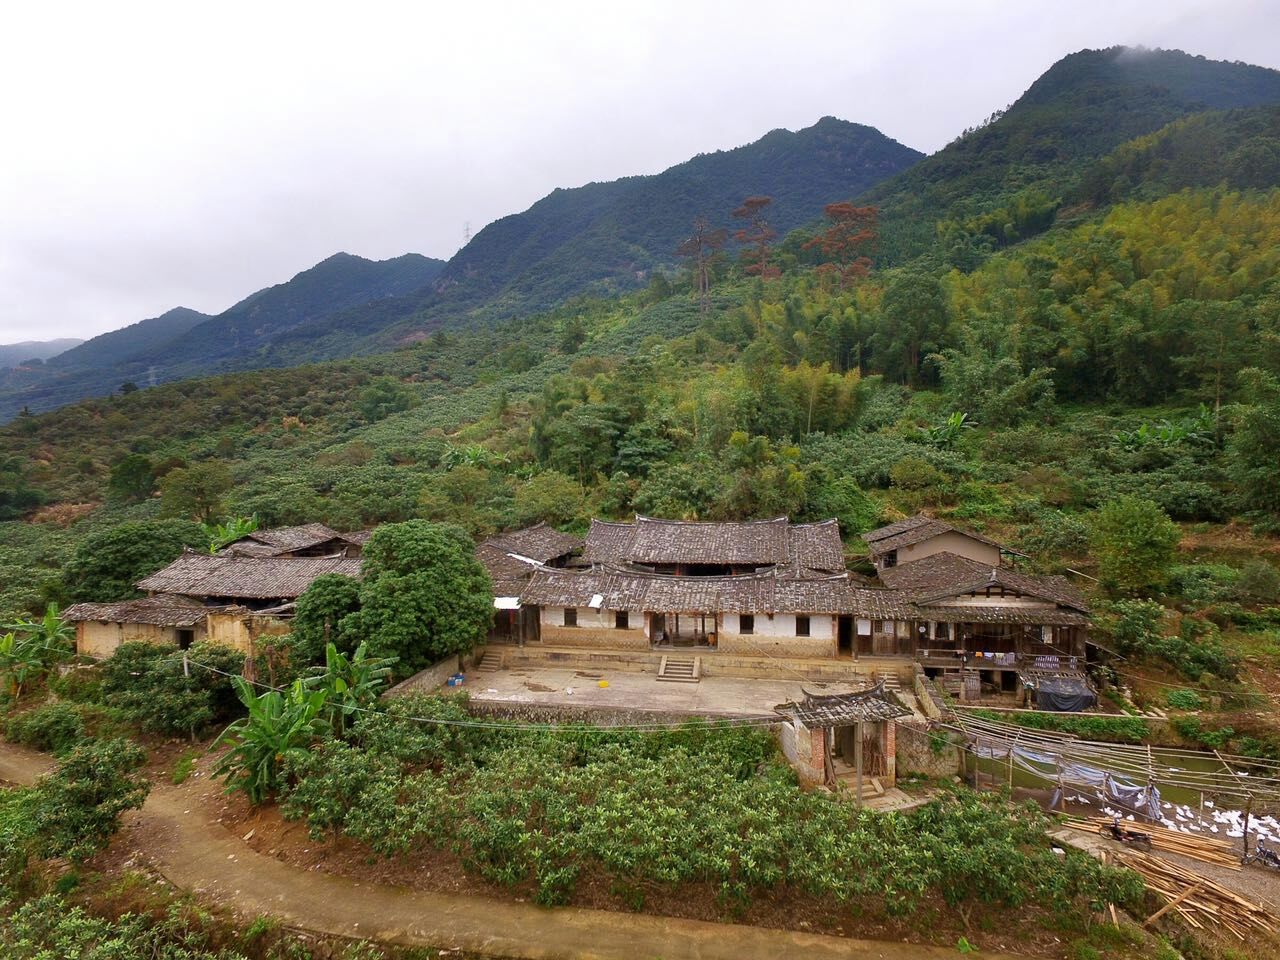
(1183, 699)
(1113, 729)
(1202, 584)
(55, 727)
(535, 809)
(1136, 628)
(106, 565)
(1258, 582)
(146, 683)
(76, 809)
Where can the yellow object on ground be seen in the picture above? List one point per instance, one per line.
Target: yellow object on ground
(603, 683)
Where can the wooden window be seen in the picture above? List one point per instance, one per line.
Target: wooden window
(942, 631)
(890, 559)
(802, 626)
(620, 620)
(747, 623)
(570, 616)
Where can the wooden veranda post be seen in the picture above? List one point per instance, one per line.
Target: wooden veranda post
(857, 762)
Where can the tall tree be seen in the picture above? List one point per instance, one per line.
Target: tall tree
(757, 235)
(700, 248)
(1135, 542)
(913, 323)
(847, 243)
(196, 491)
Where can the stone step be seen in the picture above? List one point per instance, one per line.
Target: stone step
(680, 669)
(491, 662)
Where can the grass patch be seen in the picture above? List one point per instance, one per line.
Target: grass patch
(182, 769)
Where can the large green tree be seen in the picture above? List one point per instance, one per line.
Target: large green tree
(1134, 541)
(198, 491)
(1252, 449)
(319, 613)
(133, 477)
(423, 595)
(106, 565)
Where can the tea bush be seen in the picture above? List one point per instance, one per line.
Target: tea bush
(146, 683)
(543, 810)
(55, 727)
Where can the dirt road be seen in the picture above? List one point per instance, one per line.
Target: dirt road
(196, 853)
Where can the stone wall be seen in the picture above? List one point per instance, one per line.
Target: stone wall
(915, 751)
(428, 680)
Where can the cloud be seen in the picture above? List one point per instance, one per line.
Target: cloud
(166, 154)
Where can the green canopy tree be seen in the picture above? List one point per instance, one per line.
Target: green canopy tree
(106, 565)
(423, 595)
(316, 620)
(197, 491)
(133, 478)
(1134, 541)
(1251, 450)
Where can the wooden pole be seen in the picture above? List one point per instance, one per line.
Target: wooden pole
(1171, 904)
(1248, 812)
(857, 761)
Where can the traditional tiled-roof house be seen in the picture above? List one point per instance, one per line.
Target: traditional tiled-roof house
(915, 538)
(757, 587)
(307, 540)
(511, 559)
(101, 627)
(253, 582)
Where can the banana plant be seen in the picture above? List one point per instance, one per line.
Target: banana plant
(279, 725)
(224, 534)
(32, 646)
(350, 683)
(947, 434)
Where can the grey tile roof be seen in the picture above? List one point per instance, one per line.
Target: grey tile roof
(249, 578)
(914, 530)
(163, 611)
(841, 709)
(806, 547)
(942, 575)
(280, 541)
(656, 593)
(541, 542)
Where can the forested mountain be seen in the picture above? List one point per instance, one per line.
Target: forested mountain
(1018, 166)
(185, 343)
(609, 237)
(12, 354)
(606, 236)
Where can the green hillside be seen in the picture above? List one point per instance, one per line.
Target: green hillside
(1030, 155)
(1128, 346)
(184, 343)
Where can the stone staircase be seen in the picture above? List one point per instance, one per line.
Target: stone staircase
(491, 662)
(680, 669)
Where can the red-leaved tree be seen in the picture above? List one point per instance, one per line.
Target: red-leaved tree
(848, 242)
(756, 234)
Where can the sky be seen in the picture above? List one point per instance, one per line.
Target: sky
(166, 154)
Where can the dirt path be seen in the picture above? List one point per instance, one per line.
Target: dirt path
(203, 856)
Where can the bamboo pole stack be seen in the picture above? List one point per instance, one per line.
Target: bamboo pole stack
(1221, 853)
(1199, 901)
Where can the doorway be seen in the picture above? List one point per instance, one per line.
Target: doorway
(844, 635)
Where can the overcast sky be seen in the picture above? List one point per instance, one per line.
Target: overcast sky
(189, 154)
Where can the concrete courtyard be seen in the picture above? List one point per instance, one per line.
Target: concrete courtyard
(630, 691)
